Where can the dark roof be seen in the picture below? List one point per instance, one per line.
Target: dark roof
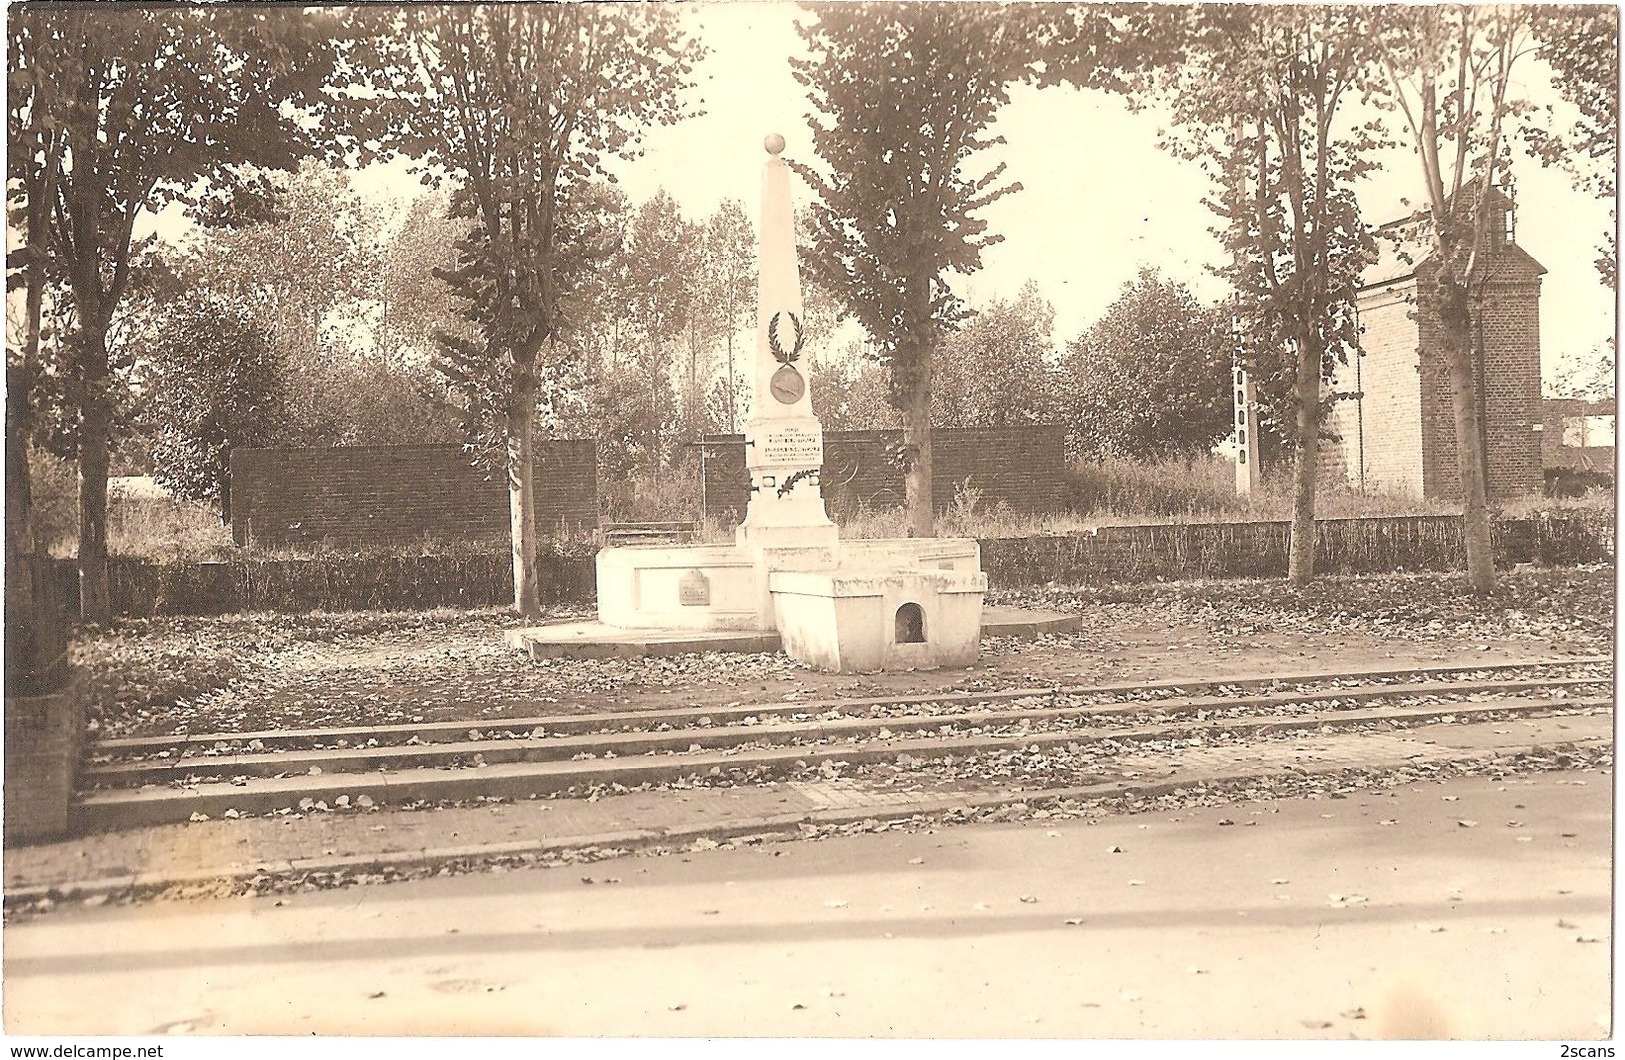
(1402, 245)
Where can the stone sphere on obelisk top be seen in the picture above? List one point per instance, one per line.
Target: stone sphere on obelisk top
(774, 143)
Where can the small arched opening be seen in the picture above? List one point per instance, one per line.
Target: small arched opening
(910, 625)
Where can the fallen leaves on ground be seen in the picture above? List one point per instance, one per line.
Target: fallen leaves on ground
(249, 672)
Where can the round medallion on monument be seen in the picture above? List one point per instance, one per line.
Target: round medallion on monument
(787, 385)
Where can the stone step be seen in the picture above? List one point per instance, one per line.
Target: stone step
(774, 729)
(105, 810)
(594, 640)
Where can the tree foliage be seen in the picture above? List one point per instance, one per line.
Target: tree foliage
(850, 391)
(302, 255)
(903, 95)
(663, 258)
(1151, 378)
(216, 384)
(996, 369)
(1448, 70)
(333, 291)
(1581, 45)
(137, 108)
(522, 104)
(1286, 155)
(413, 305)
(728, 286)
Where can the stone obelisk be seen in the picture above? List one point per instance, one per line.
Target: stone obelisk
(784, 442)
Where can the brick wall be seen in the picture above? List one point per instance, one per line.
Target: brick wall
(1554, 445)
(1023, 467)
(1404, 427)
(400, 493)
(1509, 384)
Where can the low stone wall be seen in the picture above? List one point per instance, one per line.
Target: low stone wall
(1115, 554)
(386, 583)
(1239, 550)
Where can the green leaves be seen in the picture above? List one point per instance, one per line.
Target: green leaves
(521, 104)
(997, 369)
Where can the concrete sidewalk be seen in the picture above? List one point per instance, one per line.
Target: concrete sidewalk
(151, 859)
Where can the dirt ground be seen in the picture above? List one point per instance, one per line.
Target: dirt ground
(249, 673)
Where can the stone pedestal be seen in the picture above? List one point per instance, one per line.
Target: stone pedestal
(843, 606)
(679, 587)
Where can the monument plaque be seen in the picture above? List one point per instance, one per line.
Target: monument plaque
(793, 445)
(694, 590)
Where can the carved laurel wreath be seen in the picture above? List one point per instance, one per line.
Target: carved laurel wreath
(773, 338)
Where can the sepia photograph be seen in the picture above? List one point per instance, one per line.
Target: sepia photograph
(809, 525)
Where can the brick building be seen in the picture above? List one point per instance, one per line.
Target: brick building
(1394, 426)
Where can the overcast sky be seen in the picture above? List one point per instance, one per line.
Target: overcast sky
(1100, 198)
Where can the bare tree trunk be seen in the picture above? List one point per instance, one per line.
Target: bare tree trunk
(19, 477)
(22, 622)
(94, 425)
(521, 510)
(1301, 561)
(1455, 321)
(917, 451)
(19, 489)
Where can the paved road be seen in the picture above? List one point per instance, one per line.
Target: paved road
(1296, 920)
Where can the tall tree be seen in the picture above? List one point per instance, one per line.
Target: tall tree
(40, 67)
(663, 262)
(1448, 69)
(1288, 153)
(150, 104)
(521, 104)
(1151, 378)
(412, 303)
(849, 391)
(902, 95)
(297, 261)
(310, 263)
(995, 370)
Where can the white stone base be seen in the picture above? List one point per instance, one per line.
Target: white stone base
(849, 621)
(905, 553)
(759, 537)
(834, 604)
(642, 587)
